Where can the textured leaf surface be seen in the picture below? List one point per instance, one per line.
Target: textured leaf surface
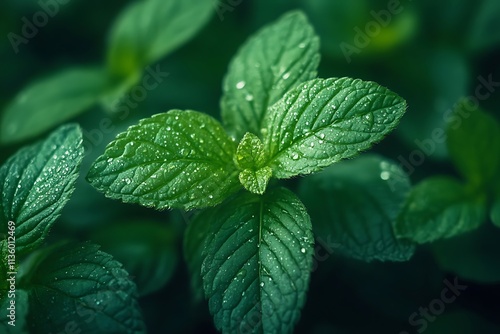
(37, 182)
(258, 257)
(148, 30)
(274, 60)
(50, 102)
(147, 251)
(325, 120)
(81, 285)
(354, 204)
(474, 145)
(251, 158)
(439, 208)
(178, 159)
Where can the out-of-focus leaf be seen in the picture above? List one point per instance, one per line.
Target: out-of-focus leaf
(83, 286)
(51, 101)
(439, 208)
(146, 250)
(148, 30)
(353, 203)
(474, 145)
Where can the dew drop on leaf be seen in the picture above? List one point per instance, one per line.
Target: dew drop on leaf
(240, 85)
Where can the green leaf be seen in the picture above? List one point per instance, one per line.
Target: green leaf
(251, 158)
(439, 208)
(80, 286)
(146, 250)
(325, 120)
(485, 28)
(37, 182)
(148, 30)
(181, 159)
(474, 144)
(275, 60)
(354, 204)
(7, 325)
(257, 262)
(256, 181)
(50, 102)
(250, 153)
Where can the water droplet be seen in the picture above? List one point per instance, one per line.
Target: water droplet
(240, 85)
(286, 75)
(312, 144)
(295, 156)
(127, 180)
(322, 135)
(110, 160)
(262, 284)
(302, 250)
(249, 97)
(302, 45)
(385, 175)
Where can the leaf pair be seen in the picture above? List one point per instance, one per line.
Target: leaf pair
(442, 207)
(143, 33)
(35, 184)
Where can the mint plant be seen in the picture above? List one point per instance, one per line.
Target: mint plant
(66, 286)
(251, 245)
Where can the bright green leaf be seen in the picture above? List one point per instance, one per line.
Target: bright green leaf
(251, 157)
(79, 284)
(474, 144)
(325, 120)
(20, 313)
(250, 152)
(180, 159)
(353, 204)
(258, 258)
(148, 30)
(439, 208)
(146, 250)
(273, 61)
(50, 102)
(37, 182)
(256, 181)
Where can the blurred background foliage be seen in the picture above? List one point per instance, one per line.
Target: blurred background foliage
(431, 53)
